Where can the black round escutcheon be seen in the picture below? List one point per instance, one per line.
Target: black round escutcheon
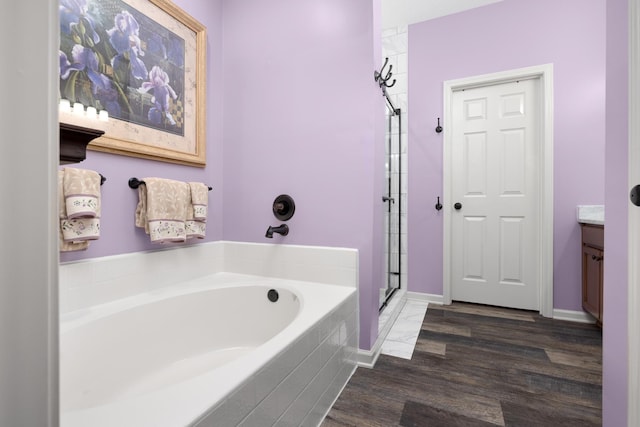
(284, 207)
(273, 295)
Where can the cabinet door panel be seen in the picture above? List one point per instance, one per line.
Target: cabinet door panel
(592, 261)
(593, 235)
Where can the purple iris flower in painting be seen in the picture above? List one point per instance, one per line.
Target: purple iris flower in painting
(125, 39)
(65, 66)
(71, 12)
(85, 59)
(159, 83)
(108, 97)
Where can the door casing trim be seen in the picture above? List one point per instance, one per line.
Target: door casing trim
(634, 219)
(543, 72)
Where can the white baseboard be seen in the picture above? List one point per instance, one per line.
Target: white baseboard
(570, 315)
(368, 358)
(573, 316)
(430, 298)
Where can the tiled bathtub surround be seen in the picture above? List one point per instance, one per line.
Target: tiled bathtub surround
(299, 386)
(90, 282)
(296, 387)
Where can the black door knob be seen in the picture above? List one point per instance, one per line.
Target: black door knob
(458, 206)
(635, 195)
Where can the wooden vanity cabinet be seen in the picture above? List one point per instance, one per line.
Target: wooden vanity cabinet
(592, 269)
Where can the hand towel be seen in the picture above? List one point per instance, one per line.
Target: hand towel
(81, 193)
(194, 228)
(197, 210)
(162, 209)
(65, 246)
(199, 200)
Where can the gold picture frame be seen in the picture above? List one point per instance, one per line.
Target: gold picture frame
(144, 61)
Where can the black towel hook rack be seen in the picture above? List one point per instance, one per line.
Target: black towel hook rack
(102, 178)
(135, 183)
(382, 81)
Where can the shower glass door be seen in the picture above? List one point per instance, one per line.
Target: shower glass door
(392, 200)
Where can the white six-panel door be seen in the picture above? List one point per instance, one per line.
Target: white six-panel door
(494, 235)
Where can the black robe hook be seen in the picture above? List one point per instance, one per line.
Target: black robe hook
(438, 204)
(378, 76)
(438, 128)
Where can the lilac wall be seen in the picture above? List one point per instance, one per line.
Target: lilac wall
(502, 36)
(615, 351)
(303, 116)
(118, 233)
(293, 87)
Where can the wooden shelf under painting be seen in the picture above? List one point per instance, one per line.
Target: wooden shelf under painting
(73, 142)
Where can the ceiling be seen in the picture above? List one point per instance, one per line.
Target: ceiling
(404, 12)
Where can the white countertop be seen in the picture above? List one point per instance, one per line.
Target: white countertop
(590, 214)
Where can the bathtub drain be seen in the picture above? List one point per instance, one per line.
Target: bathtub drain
(273, 295)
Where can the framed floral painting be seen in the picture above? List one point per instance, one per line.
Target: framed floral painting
(142, 61)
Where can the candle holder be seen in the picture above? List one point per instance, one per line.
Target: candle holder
(77, 111)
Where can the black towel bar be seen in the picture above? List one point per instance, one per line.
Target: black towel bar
(135, 183)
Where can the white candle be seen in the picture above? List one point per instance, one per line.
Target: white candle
(65, 105)
(104, 115)
(92, 113)
(78, 109)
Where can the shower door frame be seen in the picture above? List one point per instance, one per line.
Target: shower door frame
(389, 291)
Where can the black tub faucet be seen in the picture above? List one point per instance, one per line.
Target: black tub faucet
(281, 229)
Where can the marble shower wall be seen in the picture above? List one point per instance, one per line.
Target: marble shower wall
(395, 46)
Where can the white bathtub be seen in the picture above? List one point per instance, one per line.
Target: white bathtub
(213, 351)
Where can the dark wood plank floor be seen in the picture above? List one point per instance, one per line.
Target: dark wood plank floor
(482, 366)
